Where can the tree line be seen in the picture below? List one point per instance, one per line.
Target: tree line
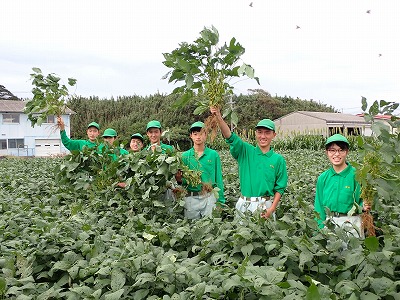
(130, 114)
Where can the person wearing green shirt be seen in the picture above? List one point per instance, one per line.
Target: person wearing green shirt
(93, 131)
(110, 136)
(136, 143)
(200, 201)
(337, 189)
(153, 131)
(262, 172)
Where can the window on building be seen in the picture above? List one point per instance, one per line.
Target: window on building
(15, 143)
(3, 144)
(354, 131)
(10, 118)
(50, 119)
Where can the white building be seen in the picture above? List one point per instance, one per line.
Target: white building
(19, 138)
(321, 123)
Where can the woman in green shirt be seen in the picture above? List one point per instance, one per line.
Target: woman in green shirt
(337, 188)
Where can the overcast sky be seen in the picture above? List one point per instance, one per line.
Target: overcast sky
(113, 48)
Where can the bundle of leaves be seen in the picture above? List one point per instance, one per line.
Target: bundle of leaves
(379, 169)
(49, 97)
(207, 69)
(148, 177)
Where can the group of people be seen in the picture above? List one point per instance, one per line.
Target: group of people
(262, 172)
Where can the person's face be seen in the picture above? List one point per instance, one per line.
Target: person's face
(110, 139)
(92, 133)
(154, 135)
(264, 137)
(136, 145)
(336, 155)
(198, 137)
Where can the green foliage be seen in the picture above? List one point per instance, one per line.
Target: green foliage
(63, 241)
(130, 114)
(49, 97)
(379, 168)
(206, 70)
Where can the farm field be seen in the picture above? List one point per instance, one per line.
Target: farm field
(72, 241)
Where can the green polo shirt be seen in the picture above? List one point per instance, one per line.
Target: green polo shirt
(336, 191)
(164, 148)
(210, 166)
(75, 144)
(259, 174)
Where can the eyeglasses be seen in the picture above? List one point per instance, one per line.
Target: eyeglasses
(333, 151)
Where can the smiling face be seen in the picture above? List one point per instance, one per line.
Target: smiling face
(337, 154)
(92, 133)
(264, 137)
(136, 145)
(154, 135)
(198, 136)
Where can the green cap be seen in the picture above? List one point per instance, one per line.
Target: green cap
(110, 132)
(267, 123)
(137, 136)
(153, 124)
(197, 124)
(336, 138)
(94, 124)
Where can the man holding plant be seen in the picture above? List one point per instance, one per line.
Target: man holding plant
(200, 200)
(262, 172)
(93, 131)
(338, 190)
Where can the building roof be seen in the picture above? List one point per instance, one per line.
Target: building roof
(16, 106)
(332, 117)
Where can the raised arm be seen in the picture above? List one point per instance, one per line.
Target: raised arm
(226, 131)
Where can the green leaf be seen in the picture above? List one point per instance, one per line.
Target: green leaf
(117, 279)
(115, 295)
(200, 110)
(233, 281)
(71, 81)
(247, 249)
(249, 71)
(234, 118)
(140, 294)
(3, 286)
(184, 65)
(37, 70)
(210, 36)
(364, 103)
(374, 109)
(368, 296)
(184, 99)
(313, 293)
(189, 81)
(143, 278)
(305, 257)
(382, 286)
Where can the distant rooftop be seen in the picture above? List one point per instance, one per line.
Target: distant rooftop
(334, 117)
(11, 106)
